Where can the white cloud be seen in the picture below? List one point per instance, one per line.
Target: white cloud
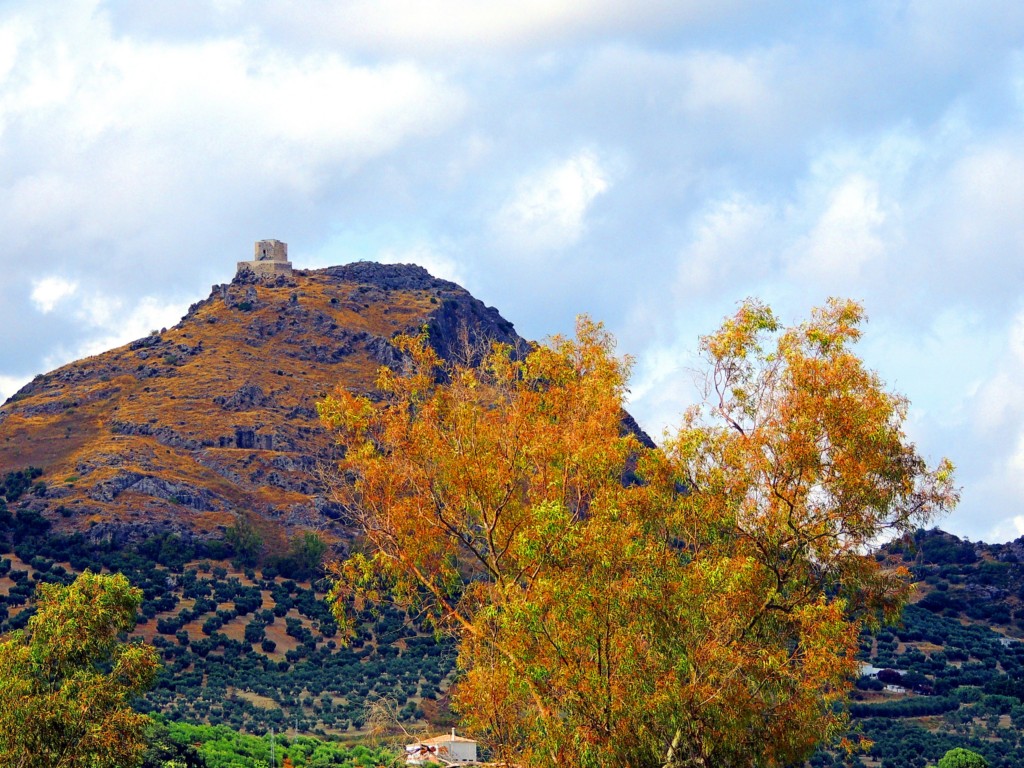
(105, 138)
(985, 438)
(717, 81)
(119, 326)
(728, 246)
(979, 209)
(998, 403)
(11, 37)
(470, 158)
(663, 386)
(548, 210)
(846, 237)
(48, 292)
(441, 26)
(111, 323)
(106, 320)
(951, 32)
(241, 96)
(1006, 530)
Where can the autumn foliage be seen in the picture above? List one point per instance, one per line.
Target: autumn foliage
(618, 605)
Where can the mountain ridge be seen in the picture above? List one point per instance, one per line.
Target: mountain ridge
(192, 427)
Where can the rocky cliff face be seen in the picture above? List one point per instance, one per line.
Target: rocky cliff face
(189, 428)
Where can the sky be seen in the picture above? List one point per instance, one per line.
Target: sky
(650, 163)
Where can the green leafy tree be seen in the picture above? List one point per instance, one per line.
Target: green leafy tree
(163, 750)
(245, 541)
(962, 758)
(67, 681)
(306, 553)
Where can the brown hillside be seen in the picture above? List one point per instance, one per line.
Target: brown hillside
(192, 426)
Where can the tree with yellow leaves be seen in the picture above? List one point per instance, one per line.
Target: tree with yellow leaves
(619, 605)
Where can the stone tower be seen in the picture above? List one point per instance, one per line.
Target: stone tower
(270, 259)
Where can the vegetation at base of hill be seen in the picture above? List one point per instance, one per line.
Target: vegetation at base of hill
(165, 749)
(966, 661)
(68, 680)
(18, 482)
(182, 745)
(247, 648)
(706, 615)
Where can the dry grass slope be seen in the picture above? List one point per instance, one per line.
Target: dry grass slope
(187, 429)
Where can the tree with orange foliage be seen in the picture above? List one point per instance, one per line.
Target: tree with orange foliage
(618, 605)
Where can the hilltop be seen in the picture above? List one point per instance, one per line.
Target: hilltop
(192, 428)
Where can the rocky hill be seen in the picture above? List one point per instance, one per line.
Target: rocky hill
(195, 427)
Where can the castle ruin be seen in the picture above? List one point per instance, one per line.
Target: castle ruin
(269, 260)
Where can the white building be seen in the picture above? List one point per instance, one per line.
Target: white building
(446, 750)
(869, 670)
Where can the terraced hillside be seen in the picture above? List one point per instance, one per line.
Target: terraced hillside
(194, 427)
(255, 649)
(953, 667)
(249, 648)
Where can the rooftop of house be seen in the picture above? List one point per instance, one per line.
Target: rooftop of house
(447, 738)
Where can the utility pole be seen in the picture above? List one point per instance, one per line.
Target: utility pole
(273, 760)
